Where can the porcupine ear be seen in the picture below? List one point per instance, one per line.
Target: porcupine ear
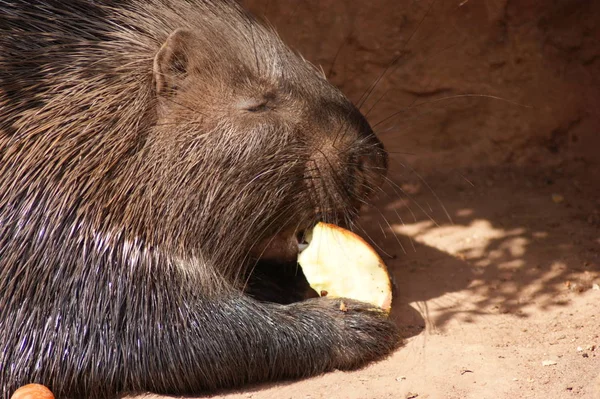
(171, 61)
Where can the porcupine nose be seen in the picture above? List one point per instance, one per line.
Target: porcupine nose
(370, 164)
(346, 165)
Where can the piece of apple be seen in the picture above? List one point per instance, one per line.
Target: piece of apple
(339, 263)
(32, 391)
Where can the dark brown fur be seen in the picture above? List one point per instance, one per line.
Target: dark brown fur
(157, 160)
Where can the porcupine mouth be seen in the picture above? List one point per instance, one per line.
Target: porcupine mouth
(283, 247)
(276, 275)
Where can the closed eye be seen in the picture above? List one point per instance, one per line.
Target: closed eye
(263, 103)
(259, 107)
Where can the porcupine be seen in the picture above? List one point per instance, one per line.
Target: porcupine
(159, 162)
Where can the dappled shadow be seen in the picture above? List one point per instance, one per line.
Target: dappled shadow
(517, 242)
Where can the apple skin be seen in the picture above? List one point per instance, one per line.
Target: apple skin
(32, 391)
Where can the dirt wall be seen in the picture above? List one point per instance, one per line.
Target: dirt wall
(471, 82)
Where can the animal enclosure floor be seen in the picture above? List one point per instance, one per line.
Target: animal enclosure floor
(500, 302)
